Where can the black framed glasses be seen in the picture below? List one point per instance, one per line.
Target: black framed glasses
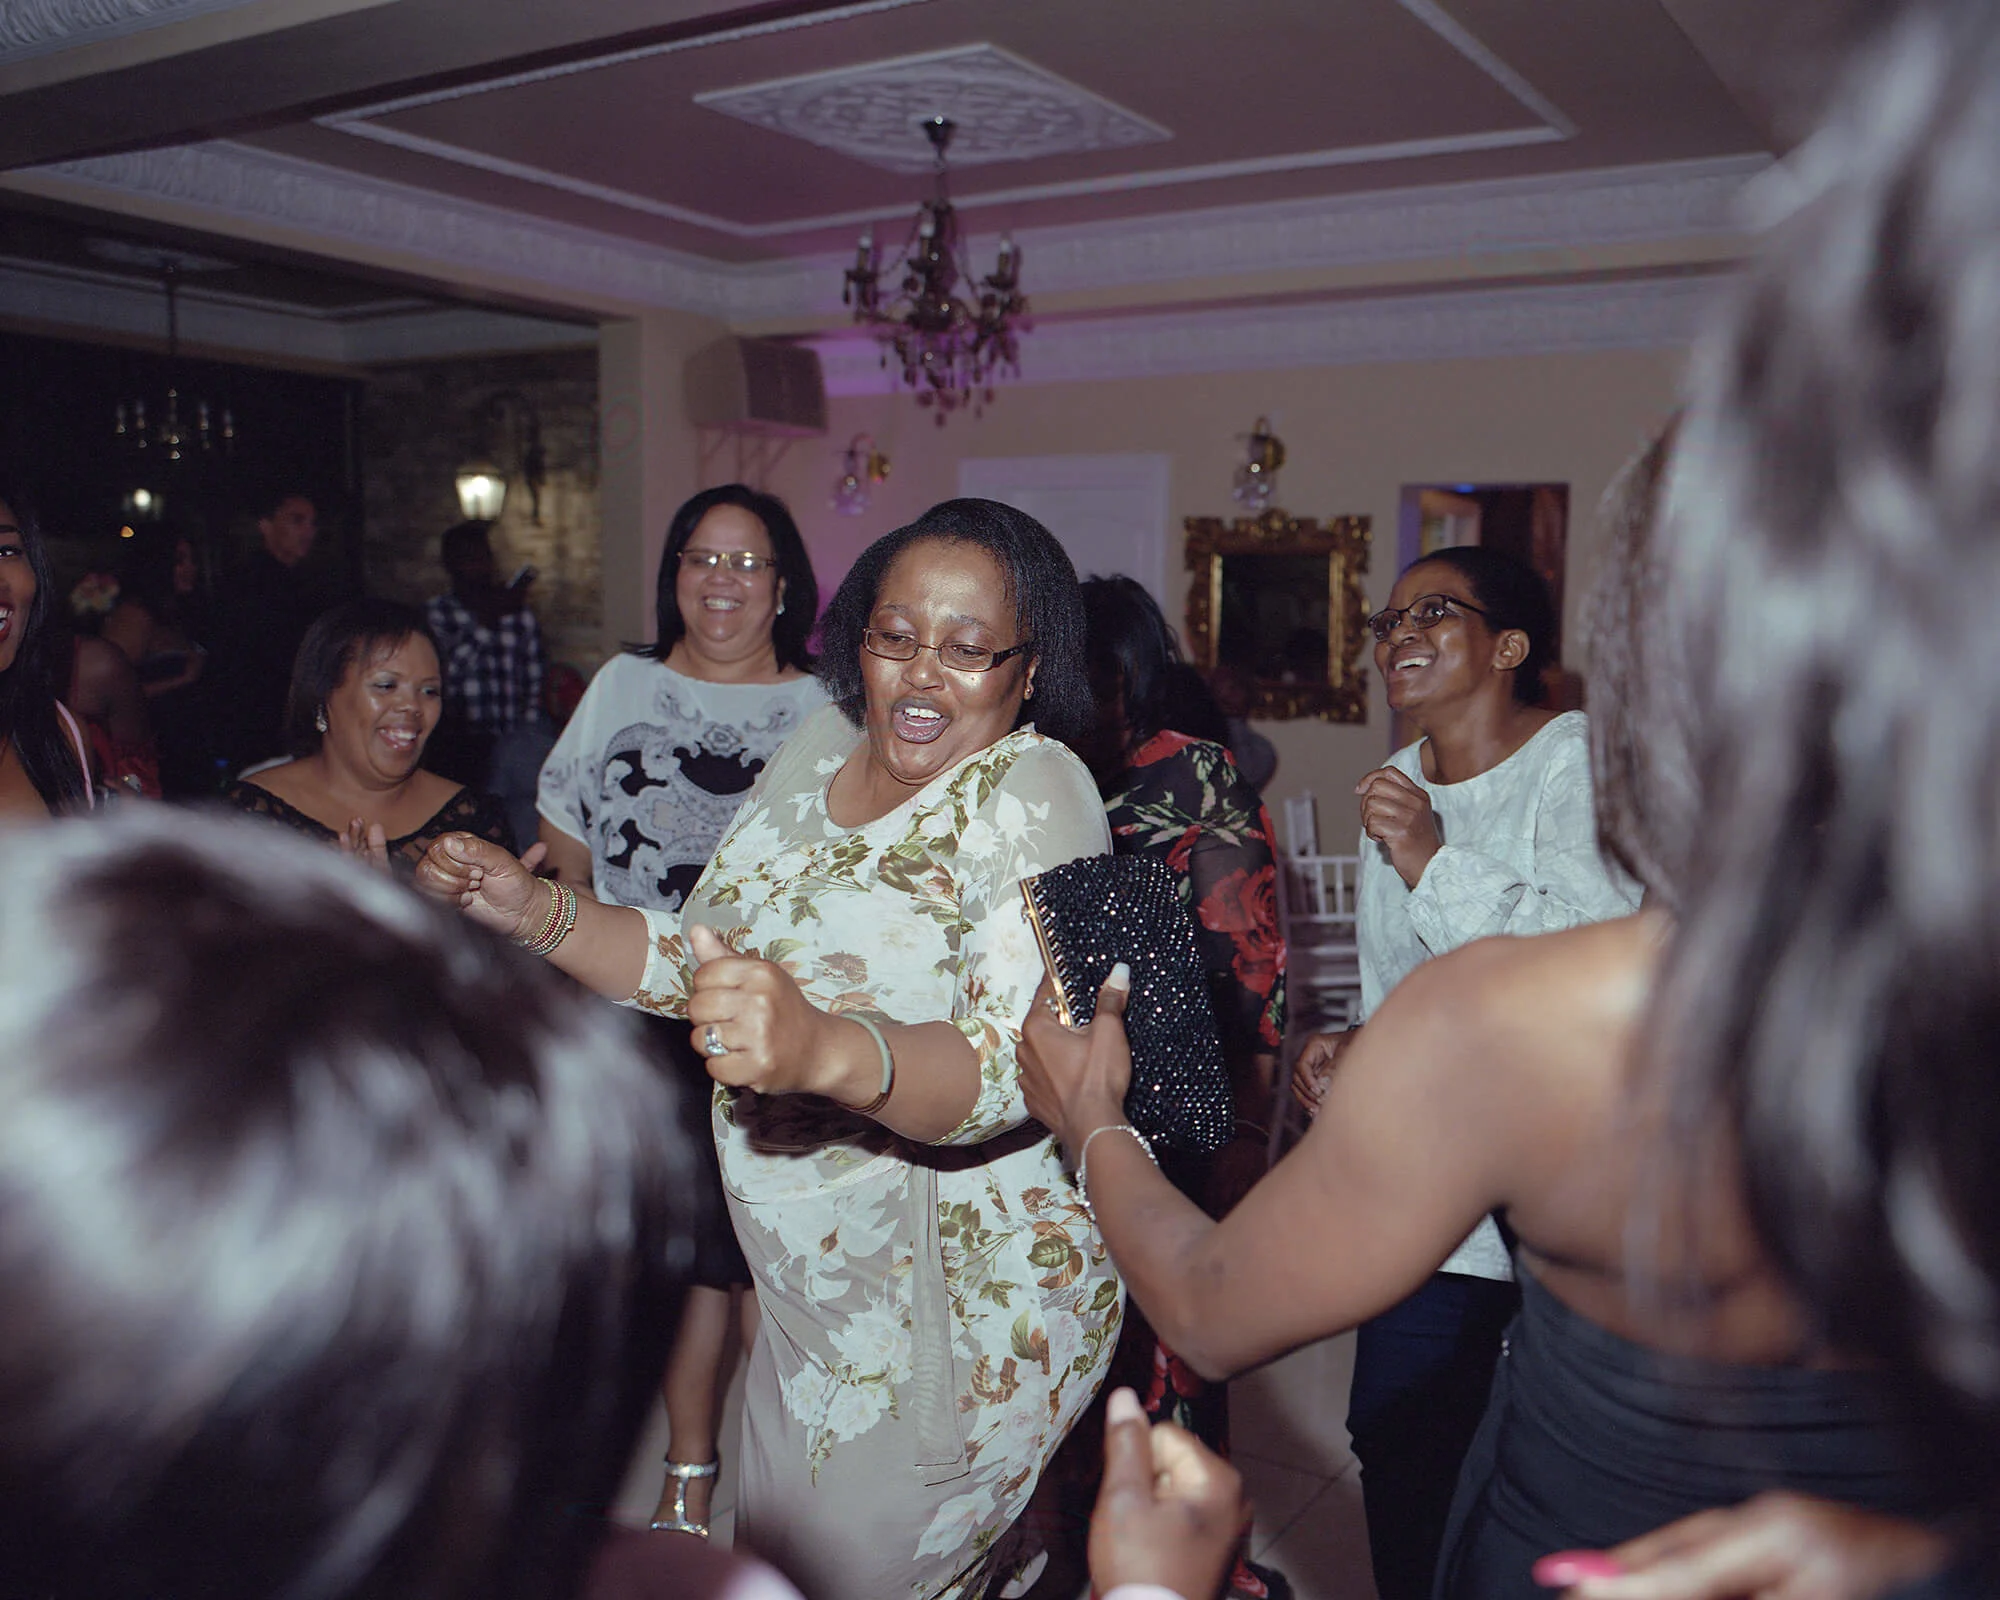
(1426, 611)
(892, 645)
(744, 562)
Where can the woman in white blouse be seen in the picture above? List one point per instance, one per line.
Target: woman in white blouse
(633, 798)
(1483, 826)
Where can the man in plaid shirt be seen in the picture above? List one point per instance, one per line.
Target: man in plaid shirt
(491, 651)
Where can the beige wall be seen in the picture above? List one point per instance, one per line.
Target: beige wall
(1354, 436)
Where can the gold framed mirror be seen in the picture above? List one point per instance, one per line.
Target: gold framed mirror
(1280, 597)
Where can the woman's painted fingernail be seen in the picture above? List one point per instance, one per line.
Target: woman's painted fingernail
(1123, 1406)
(1568, 1567)
(1120, 977)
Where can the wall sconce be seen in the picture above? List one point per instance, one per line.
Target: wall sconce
(482, 491)
(511, 429)
(862, 466)
(1257, 474)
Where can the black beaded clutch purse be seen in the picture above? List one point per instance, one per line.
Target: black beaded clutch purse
(1092, 913)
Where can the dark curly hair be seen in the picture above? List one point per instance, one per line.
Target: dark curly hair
(791, 629)
(1514, 597)
(1041, 583)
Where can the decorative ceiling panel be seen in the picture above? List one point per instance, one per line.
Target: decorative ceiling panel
(1007, 109)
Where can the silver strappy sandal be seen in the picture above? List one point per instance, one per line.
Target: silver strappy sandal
(683, 1473)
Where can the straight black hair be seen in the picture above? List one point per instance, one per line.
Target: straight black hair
(792, 628)
(1132, 650)
(1041, 586)
(29, 688)
(1823, 644)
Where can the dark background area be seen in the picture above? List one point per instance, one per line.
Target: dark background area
(58, 400)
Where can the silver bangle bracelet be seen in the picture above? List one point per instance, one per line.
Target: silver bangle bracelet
(888, 1068)
(1083, 1161)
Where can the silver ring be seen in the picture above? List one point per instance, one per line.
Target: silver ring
(711, 1041)
(1055, 1010)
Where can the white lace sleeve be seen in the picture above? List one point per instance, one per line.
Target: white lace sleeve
(1466, 894)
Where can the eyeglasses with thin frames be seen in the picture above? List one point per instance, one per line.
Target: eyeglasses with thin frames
(744, 562)
(893, 646)
(1426, 611)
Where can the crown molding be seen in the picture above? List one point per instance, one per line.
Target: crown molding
(31, 28)
(1644, 314)
(235, 186)
(223, 183)
(1577, 210)
(69, 301)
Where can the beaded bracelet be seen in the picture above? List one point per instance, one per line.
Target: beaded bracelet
(888, 1068)
(1083, 1161)
(561, 918)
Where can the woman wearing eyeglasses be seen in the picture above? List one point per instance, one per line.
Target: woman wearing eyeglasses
(937, 1306)
(661, 751)
(1482, 826)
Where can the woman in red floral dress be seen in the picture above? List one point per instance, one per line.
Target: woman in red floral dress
(1172, 790)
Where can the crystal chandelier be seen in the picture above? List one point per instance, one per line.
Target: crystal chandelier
(170, 436)
(952, 351)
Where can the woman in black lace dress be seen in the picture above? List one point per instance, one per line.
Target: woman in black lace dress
(364, 701)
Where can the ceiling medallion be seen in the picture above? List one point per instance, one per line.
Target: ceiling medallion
(952, 351)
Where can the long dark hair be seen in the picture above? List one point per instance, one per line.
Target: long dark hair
(1831, 558)
(343, 1245)
(29, 688)
(790, 629)
(1041, 585)
(1133, 651)
(1514, 596)
(1638, 759)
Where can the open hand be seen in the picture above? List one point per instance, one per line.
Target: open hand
(486, 883)
(366, 841)
(1314, 1069)
(1169, 1511)
(769, 1031)
(1778, 1546)
(1397, 815)
(1074, 1079)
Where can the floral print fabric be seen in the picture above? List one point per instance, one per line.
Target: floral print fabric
(936, 1315)
(1182, 799)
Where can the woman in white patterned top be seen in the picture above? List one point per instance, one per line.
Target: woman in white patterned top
(938, 1306)
(1483, 826)
(633, 799)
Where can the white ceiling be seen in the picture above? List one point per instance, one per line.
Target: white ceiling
(1309, 179)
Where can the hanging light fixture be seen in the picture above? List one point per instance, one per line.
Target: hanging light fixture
(1257, 473)
(862, 466)
(952, 351)
(170, 436)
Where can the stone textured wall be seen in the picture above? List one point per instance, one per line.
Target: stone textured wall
(420, 422)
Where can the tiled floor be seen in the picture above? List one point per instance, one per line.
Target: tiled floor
(1289, 1443)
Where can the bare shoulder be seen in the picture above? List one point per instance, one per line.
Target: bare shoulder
(1527, 1014)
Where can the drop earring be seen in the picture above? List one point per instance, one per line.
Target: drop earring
(319, 719)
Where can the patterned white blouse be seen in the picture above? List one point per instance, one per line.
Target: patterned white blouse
(1518, 855)
(937, 1315)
